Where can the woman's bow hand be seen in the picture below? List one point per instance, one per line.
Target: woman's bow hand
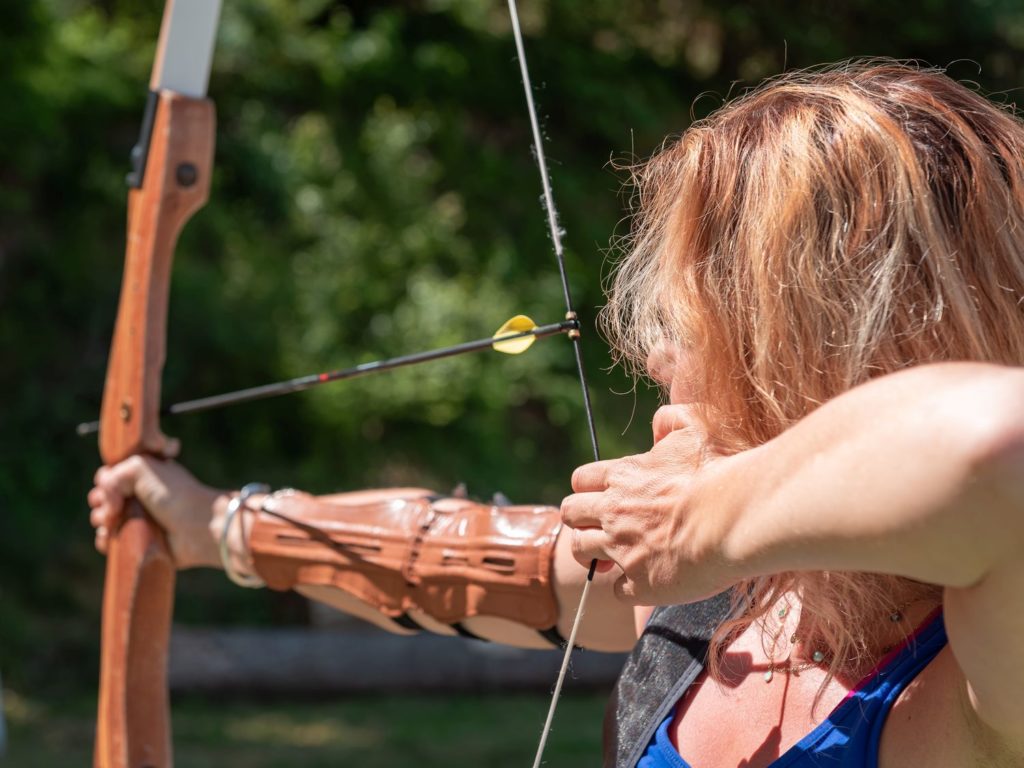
(654, 515)
(179, 504)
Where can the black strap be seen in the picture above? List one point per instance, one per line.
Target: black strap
(458, 627)
(407, 622)
(553, 636)
(666, 659)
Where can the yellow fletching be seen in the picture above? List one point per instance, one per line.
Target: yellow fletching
(518, 324)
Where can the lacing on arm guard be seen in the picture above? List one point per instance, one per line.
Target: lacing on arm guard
(450, 558)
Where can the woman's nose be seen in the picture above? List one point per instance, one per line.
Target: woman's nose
(661, 363)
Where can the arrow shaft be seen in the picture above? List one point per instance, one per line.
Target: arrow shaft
(301, 383)
(315, 379)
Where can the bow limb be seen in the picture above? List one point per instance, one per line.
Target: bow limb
(171, 181)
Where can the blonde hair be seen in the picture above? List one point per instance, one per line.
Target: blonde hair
(828, 227)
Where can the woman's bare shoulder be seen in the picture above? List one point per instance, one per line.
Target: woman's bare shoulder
(933, 723)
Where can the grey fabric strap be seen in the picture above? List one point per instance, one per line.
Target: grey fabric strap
(666, 659)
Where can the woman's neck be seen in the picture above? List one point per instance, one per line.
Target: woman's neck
(794, 635)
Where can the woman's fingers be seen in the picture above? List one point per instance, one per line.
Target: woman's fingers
(582, 510)
(591, 477)
(589, 544)
(105, 497)
(171, 496)
(113, 486)
(579, 513)
(590, 510)
(626, 590)
(106, 507)
(96, 498)
(670, 418)
(121, 478)
(592, 544)
(98, 516)
(102, 539)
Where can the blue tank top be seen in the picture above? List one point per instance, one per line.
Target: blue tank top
(849, 736)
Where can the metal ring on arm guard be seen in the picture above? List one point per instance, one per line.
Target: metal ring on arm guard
(234, 506)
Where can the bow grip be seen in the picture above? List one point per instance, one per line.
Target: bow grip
(133, 722)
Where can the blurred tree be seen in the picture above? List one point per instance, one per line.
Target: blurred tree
(374, 194)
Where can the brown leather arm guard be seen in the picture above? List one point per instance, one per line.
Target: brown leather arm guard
(450, 558)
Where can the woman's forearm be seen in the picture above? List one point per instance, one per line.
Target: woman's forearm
(918, 474)
(607, 626)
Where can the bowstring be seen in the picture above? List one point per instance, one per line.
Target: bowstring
(570, 314)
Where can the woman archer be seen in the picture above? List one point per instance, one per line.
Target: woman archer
(827, 277)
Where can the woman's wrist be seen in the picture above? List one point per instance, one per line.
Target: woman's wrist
(190, 536)
(236, 548)
(731, 488)
(218, 514)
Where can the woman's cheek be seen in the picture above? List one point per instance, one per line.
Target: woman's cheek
(683, 389)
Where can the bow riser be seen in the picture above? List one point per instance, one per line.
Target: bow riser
(133, 723)
(176, 185)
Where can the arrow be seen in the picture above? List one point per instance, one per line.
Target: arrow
(513, 338)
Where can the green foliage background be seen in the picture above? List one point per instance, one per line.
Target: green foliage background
(374, 194)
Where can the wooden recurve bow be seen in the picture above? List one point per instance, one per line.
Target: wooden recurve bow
(169, 182)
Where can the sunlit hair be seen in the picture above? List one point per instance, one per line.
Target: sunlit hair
(826, 228)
